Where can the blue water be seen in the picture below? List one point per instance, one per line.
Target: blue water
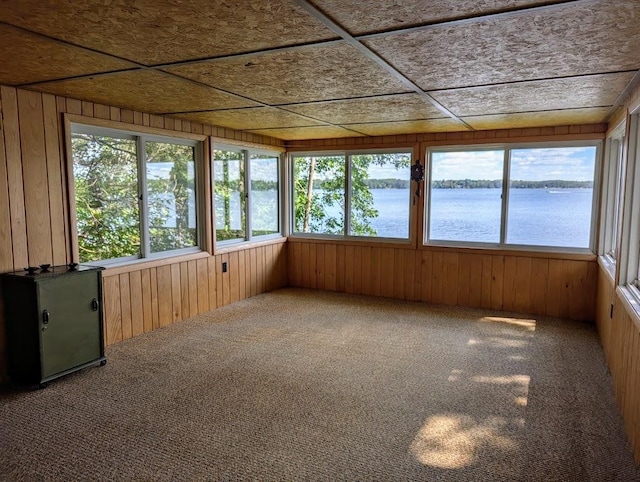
(539, 217)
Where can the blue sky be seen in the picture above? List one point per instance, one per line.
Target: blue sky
(566, 163)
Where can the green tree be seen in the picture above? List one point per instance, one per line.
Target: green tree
(320, 186)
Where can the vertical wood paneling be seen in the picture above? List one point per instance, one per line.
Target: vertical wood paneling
(340, 267)
(450, 278)
(13, 157)
(356, 282)
(125, 306)
(387, 272)
(147, 317)
(437, 278)
(234, 278)
(522, 301)
(34, 170)
(376, 255)
(225, 280)
(312, 268)
(203, 285)
(426, 261)
(539, 285)
(409, 274)
(497, 280)
(155, 305)
(54, 179)
(242, 274)
(6, 257)
(475, 280)
(213, 286)
(259, 255)
(330, 255)
(165, 305)
(193, 289)
(509, 284)
(219, 281)
(112, 310)
(180, 290)
(304, 262)
(487, 281)
(137, 315)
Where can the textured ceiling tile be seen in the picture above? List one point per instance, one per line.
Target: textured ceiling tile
(252, 118)
(408, 127)
(27, 58)
(383, 15)
(538, 119)
(144, 90)
(310, 74)
(304, 133)
(568, 93)
(160, 31)
(572, 40)
(377, 109)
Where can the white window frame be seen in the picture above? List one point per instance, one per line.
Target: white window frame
(508, 148)
(612, 196)
(141, 138)
(629, 269)
(347, 154)
(246, 157)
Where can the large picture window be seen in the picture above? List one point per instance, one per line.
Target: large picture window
(135, 195)
(246, 194)
(517, 196)
(360, 194)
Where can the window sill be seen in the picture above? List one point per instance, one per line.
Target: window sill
(533, 252)
(631, 301)
(242, 245)
(147, 263)
(352, 241)
(608, 266)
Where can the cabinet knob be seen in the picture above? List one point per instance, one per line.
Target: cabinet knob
(45, 317)
(94, 304)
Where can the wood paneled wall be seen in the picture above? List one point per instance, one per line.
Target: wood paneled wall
(35, 224)
(548, 286)
(620, 337)
(143, 300)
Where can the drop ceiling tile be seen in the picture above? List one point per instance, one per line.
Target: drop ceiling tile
(408, 127)
(590, 38)
(539, 119)
(162, 31)
(568, 93)
(373, 109)
(383, 15)
(27, 58)
(304, 133)
(251, 118)
(145, 90)
(311, 74)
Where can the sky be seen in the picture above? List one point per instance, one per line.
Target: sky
(565, 163)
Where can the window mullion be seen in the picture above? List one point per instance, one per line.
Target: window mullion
(506, 175)
(247, 195)
(143, 197)
(347, 195)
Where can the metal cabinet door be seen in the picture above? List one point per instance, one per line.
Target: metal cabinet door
(70, 329)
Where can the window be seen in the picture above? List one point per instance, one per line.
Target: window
(356, 194)
(630, 246)
(247, 194)
(518, 196)
(613, 177)
(135, 195)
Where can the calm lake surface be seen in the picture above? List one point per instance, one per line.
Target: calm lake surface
(543, 217)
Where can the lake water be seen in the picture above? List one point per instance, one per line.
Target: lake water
(554, 217)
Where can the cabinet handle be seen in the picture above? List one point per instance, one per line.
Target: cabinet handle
(45, 317)
(94, 304)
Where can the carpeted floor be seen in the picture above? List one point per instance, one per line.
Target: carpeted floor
(306, 385)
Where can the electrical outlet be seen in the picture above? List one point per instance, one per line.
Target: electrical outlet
(224, 266)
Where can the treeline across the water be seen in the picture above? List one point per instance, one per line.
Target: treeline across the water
(497, 183)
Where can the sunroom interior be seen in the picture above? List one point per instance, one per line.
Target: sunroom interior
(291, 124)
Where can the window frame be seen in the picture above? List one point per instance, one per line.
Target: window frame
(88, 126)
(246, 152)
(347, 153)
(612, 200)
(506, 171)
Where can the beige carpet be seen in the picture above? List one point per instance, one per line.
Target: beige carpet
(302, 385)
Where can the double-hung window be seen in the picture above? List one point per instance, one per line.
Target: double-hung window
(246, 194)
(352, 194)
(136, 195)
(530, 195)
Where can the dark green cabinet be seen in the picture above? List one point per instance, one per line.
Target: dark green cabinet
(53, 321)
